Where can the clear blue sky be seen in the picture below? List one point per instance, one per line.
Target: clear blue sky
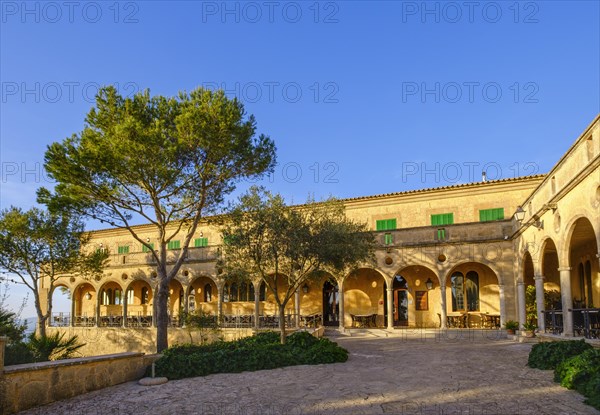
(360, 97)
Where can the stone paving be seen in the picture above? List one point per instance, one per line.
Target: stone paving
(472, 375)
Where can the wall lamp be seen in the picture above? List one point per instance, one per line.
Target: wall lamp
(519, 214)
(305, 288)
(429, 284)
(88, 296)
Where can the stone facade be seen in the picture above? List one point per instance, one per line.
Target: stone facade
(432, 269)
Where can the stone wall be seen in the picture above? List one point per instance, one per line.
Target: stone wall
(31, 385)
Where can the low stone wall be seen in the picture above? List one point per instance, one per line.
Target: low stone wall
(31, 385)
(545, 337)
(105, 340)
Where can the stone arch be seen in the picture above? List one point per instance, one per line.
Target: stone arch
(85, 298)
(478, 291)
(197, 297)
(423, 304)
(581, 250)
(364, 294)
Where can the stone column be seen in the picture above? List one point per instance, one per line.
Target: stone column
(73, 308)
(522, 312)
(98, 300)
(341, 304)
(124, 323)
(567, 300)
(444, 312)
(390, 307)
(220, 301)
(2, 343)
(297, 306)
(256, 305)
(539, 300)
(502, 304)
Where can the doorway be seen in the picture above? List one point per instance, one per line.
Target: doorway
(331, 305)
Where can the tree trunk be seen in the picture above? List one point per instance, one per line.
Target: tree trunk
(41, 325)
(162, 317)
(282, 322)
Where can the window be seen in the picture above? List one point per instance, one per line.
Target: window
(421, 300)
(486, 215)
(441, 234)
(238, 292)
(124, 249)
(465, 293)
(191, 302)
(146, 249)
(117, 298)
(200, 242)
(262, 293)
(207, 293)
(389, 239)
(442, 219)
(144, 295)
(129, 296)
(386, 225)
(174, 245)
(472, 291)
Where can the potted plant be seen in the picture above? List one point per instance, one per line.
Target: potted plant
(529, 328)
(511, 326)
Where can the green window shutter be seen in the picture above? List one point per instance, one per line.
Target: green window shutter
(442, 219)
(123, 249)
(200, 242)
(146, 249)
(486, 215)
(389, 239)
(386, 225)
(441, 234)
(173, 245)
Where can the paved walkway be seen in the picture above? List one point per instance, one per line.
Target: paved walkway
(472, 376)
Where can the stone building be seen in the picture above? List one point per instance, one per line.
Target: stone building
(454, 256)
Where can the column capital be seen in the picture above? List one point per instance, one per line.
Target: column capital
(561, 269)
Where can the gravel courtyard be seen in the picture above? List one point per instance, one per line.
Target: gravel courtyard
(472, 375)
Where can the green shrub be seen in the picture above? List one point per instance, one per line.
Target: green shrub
(259, 352)
(18, 353)
(577, 371)
(592, 391)
(549, 354)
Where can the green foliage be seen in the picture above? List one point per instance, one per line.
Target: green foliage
(54, 346)
(549, 355)
(530, 304)
(167, 161)
(18, 353)
(582, 373)
(511, 325)
(530, 325)
(575, 372)
(262, 351)
(287, 246)
(38, 244)
(10, 328)
(205, 324)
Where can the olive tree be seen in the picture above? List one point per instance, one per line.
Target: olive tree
(288, 245)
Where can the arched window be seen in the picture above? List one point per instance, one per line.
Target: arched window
(129, 296)
(191, 301)
(262, 293)
(226, 293)
(144, 295)
(109, 297)
(472, 291)
(207, 293)
(233, 292)
(243, 295)
(103, 298)
(457, 286)
(117, 300)
(251, 296)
